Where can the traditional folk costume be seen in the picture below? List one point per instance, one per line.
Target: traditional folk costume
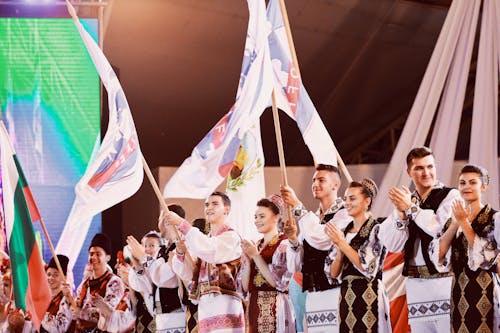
(58, 317)
(213, 278)
(363, 305)
(474, 297)
(159, 287)
(123, 317)
(427, 290)
(322, 296)
(109, 286)
(270, 309)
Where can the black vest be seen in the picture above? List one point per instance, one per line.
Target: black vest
(433, 201)
(313, 274)
(169, 297)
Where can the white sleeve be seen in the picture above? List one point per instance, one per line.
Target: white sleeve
(484, 251)
(433, 223)
(162, 274)
(444, 265)
(182, 267)
(214, 250)
(314, 232)
(140, 282)
(393, 232)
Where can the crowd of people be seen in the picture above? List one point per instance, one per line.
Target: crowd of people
(203, 277)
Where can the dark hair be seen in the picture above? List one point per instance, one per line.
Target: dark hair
(177, 209)
(368, 188)
(482, 172)
(418, 152)
(202, 225)
(225, 198)
(269, 204)
(328, 167)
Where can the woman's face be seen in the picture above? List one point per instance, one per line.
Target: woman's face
(265, 219)
(471, 186)
(355, 201)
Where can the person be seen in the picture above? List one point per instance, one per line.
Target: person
(469, 246)
(101, 282)
(417, 219)
(264, 272)
(213, 276)
(123, 318)
(356, 260)
(58, 317)
(312, 247)
(154, 278)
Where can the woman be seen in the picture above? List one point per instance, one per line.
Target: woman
(264, 273)
(355, 259)
(470, 234)
(58, 317)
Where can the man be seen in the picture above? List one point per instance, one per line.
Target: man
(321, 311)
(419, 217)
(214, 273)
(101, 285)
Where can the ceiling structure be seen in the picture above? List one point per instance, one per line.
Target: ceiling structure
(361, 61)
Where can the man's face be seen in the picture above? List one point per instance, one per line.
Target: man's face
(98, 257)
(215, 209)
(422, 172)
(323, 183)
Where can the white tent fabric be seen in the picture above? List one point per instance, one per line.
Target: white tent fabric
(484, 132)
(445, 132)
(422, 113)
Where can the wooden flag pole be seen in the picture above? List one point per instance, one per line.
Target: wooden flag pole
(163, 204)
(56, 259)
(295, 61)
(281, 151)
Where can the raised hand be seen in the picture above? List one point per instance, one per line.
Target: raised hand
(288, 195)
(249, 248)
(136, 248)
(335, 234)
(400, 197)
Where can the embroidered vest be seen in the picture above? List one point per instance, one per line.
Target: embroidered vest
(361, 237)
(436, 196)
(221, 277)
(482, 225)
(257, 280)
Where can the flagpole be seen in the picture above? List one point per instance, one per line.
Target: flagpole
(295, 61)
(163, 204)
(281, 151)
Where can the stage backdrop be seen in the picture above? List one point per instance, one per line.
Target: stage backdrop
(49, 100)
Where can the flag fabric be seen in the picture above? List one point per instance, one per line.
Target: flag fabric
(29, 282)
(116, 172)
(292, 96)
(246, 184)
(212, 159)
(395, 285)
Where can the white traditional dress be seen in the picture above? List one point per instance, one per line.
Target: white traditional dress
(58, 317)
(427, 290)
(474, 297)
(322, 295)
(213, 278)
